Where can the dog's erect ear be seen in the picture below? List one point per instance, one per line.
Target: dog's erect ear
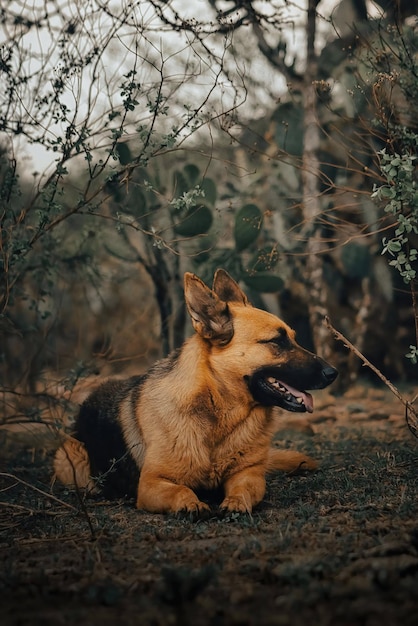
(227, 289)
(210, 315)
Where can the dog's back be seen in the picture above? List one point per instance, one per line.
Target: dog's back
(98, 455)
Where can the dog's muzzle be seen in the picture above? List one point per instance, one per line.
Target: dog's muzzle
(287, 387)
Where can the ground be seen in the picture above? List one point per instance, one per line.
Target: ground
(335, 547)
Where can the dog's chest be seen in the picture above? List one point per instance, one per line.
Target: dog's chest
(232, 455)
(206, 466)
(218, 470)
(208, 452)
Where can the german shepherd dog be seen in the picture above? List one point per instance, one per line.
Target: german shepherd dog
(202, 418)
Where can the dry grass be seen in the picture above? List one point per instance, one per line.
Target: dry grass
(339, 546)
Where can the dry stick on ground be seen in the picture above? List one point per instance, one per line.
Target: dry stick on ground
(49, 495)
(80, 498)
(411, 415)
(44, 493)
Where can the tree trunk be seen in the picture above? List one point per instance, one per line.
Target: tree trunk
(311, 196)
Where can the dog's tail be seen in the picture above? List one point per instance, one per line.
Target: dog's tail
(289, 461)
(72, 465)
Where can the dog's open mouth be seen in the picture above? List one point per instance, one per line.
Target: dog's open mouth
(271, 391)
(293, 399)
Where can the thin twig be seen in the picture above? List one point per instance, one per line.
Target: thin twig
(12, 505)
(79, 496)
(27, 509)
(409, 409)
(44, 493)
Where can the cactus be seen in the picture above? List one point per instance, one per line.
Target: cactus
(192, 213)
(138, 204)
(195, 221)
(124, 153)
(209, 189)
(264, 260)
(256, 274)
(355, 259)
(248, 222)
(288, 118)
(192, 174)
(263, 282)
(180, 184)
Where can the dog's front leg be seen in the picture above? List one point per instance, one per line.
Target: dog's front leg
(244, 490)
(160, 495)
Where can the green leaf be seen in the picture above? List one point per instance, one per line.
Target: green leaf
(394, 245)
(192, 173)
(248, 222)
(387, 192)
(124, 153)
(356, 260)
(263, 282)
(180, 184)
(209, 188)
(288, 118)
(137, 205)
(196, 221)
(265, 259)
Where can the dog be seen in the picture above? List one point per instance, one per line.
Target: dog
(201, 418)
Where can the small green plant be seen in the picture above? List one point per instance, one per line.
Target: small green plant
(400, 194)
(400, 198)
(413, 354)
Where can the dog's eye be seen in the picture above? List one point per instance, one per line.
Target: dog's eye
(281, 339)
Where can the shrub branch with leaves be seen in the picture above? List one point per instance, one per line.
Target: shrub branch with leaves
(77, 83)
(400, 198)
(401, 194)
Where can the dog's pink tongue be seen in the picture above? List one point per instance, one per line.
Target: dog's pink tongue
(308, 401)
(306, 397)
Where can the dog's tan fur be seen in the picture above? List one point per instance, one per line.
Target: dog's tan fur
(192, 421)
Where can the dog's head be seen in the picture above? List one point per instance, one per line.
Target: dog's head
(254, 348)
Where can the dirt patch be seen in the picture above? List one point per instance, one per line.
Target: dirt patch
(338, 546)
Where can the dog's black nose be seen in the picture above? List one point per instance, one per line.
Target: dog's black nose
(329, 374)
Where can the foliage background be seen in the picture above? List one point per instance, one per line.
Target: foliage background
(249, 136)
(274, 139)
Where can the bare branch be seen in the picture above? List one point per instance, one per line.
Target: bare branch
(411, 415)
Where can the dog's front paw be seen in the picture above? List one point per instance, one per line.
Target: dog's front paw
(189, 503)
(198, 513)
(196, 508)
(236, 504)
